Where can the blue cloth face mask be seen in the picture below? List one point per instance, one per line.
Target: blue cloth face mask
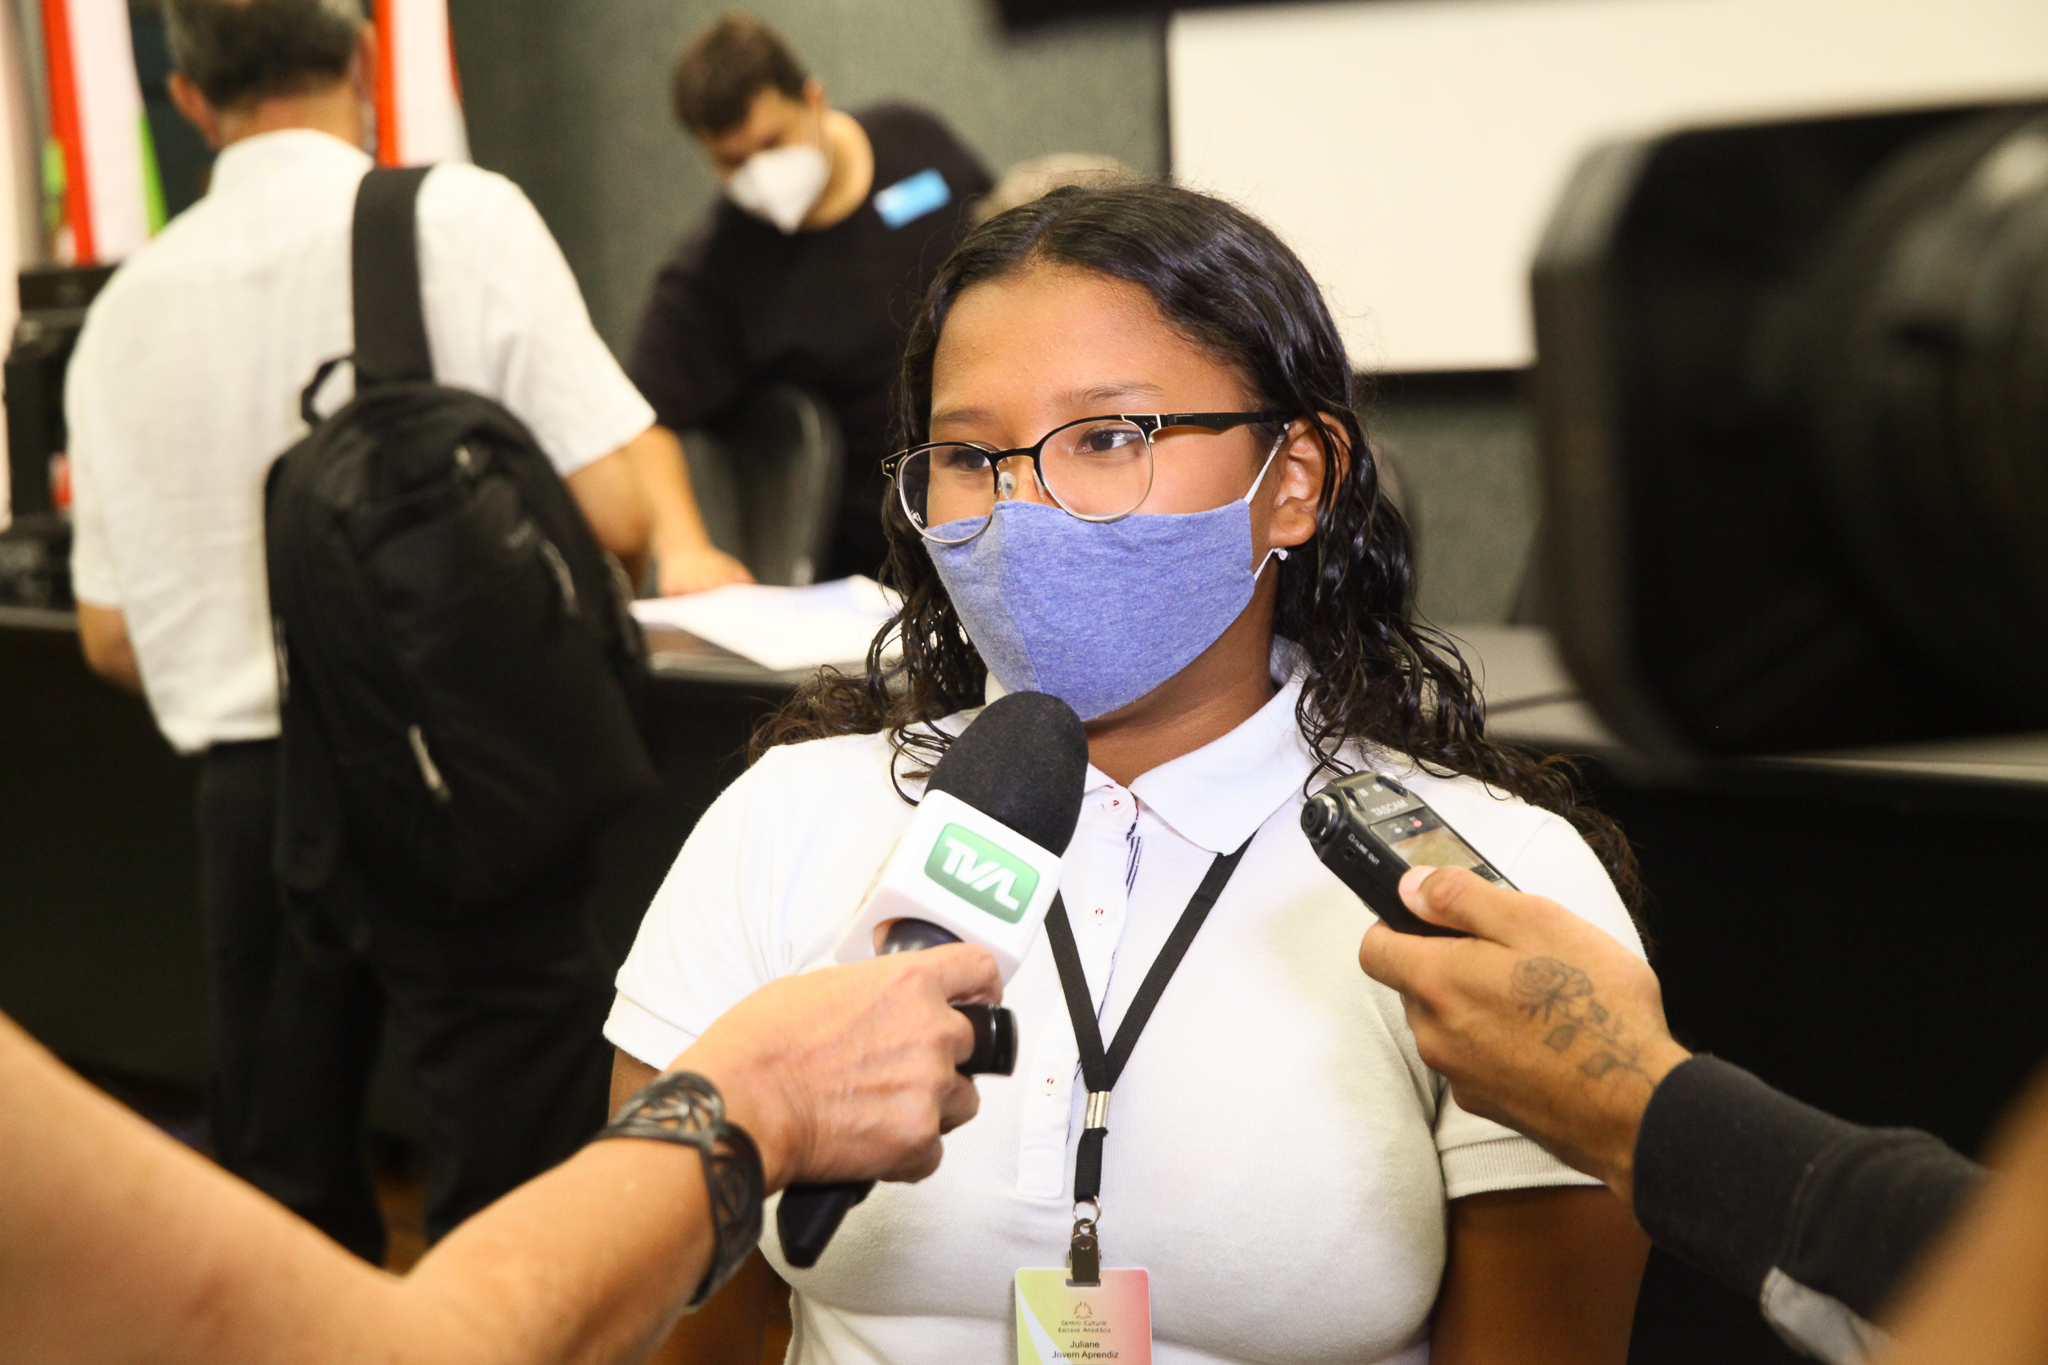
(1100, 613)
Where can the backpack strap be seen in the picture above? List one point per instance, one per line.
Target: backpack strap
(390, 320)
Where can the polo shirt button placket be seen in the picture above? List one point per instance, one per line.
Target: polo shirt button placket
(1116, 813)
(1042, 1152)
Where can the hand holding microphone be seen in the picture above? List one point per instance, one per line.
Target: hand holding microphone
(854, 1070)
(979, 864)
(995, 1028)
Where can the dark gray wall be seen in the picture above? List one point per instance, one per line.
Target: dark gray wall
(1466, 458)
(570, 99)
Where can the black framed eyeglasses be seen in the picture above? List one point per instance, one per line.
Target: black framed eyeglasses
(1097, 469)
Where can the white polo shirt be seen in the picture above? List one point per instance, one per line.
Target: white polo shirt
(1278, 1156)
(185, 386)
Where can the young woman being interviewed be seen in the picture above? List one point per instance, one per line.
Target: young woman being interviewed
(1138, 485)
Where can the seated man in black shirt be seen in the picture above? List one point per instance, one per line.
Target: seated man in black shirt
(807, 268)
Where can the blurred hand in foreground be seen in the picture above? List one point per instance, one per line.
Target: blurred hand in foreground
(1541, 1021)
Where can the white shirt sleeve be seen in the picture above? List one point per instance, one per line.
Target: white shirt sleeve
(1557, 863)
(1479, 1155)
(712, 935)
(540, 354)
(93, 577)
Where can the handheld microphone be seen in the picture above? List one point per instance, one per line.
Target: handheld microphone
(979, 864)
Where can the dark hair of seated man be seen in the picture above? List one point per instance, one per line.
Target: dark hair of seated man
(725, 66)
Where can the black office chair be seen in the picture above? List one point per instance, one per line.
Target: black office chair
(767, 478)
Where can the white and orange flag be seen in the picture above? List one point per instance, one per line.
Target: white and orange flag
(419, 97)
(100, 165)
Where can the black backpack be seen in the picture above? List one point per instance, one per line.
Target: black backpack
(461, 682)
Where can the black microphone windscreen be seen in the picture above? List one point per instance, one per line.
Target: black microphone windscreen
(1023, 761)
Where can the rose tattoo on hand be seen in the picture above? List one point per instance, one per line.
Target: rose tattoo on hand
(1561, 995)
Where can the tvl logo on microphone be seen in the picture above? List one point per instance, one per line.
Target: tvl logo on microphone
(981, 873)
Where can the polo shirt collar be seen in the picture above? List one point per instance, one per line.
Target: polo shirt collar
(1217, 796)
(266, 153)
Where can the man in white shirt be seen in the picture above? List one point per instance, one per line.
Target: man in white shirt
(184, 387)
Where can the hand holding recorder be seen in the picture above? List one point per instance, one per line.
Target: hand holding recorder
(1540, 1020)
(1369, 830)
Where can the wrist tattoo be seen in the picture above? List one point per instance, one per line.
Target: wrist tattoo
(1561, 996)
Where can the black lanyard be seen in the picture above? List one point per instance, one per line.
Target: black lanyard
(1099, 1069)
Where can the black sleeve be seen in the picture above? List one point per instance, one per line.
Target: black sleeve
(1744, 1181)
(687, 356)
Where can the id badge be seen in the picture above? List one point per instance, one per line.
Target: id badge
(1062, 1322)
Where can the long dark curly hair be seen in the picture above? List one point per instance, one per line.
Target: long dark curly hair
(1347, 597)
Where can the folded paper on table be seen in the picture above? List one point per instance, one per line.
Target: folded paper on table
(781, 628)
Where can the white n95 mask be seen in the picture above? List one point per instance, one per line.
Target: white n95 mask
(781, 184)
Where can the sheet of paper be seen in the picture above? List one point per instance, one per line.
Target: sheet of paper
(781, 628)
